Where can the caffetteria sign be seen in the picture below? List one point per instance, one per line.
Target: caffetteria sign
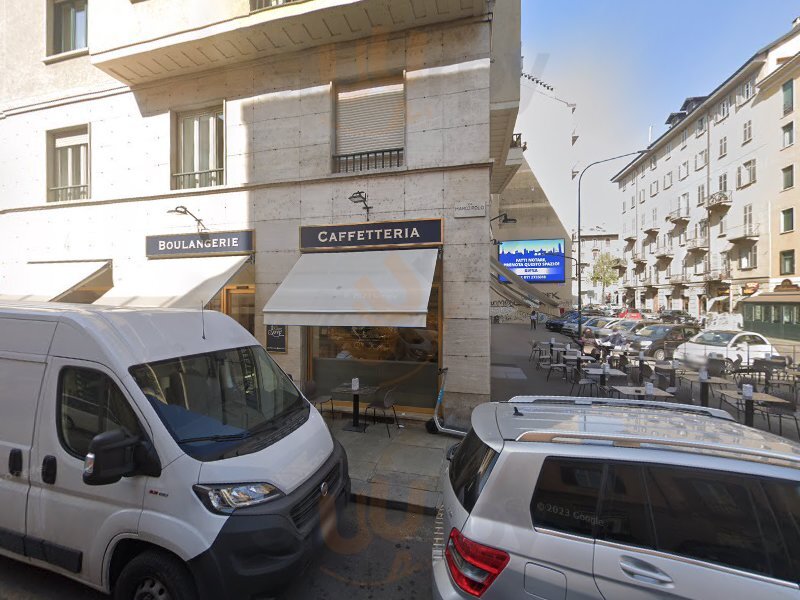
(363, 236)
(206, 243)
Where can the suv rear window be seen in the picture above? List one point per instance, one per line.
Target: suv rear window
(566, 495)
(470, 467)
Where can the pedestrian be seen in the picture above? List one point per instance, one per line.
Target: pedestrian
(533, 318)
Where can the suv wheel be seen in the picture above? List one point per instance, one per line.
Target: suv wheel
(155, 575)
(659, 354)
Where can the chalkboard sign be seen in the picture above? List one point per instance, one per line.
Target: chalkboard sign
(276, 338)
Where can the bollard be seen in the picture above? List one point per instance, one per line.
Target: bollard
(747, 394)
(703, 375)
(648, 390)
(641, 368)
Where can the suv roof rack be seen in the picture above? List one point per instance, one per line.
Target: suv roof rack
(632, 441)
(618, 402)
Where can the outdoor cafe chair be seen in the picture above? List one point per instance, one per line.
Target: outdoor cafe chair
(383, 402)
(309, 388)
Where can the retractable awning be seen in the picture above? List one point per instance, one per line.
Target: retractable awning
(47, 281)
(388, 288)
(171, 283)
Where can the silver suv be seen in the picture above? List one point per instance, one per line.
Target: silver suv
(579, 498)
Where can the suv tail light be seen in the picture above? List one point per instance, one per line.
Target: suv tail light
(473, 566)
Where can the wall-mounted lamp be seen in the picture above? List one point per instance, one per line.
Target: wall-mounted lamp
(182, 210)
(360, 198)
(503, 218)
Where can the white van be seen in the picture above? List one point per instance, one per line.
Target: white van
(158, 454)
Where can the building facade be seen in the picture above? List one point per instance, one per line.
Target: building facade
(696, 206)
(596, 241)
(177, 153)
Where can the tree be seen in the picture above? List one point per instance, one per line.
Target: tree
(604, 271)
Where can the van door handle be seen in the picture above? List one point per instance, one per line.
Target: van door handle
(642, 571)
(49, 469)
(15, 462)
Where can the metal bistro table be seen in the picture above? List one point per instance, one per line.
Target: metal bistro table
(604, 377)
(345, 390)
(640, 392)
(749, 404)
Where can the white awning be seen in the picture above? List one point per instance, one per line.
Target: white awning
(172, 282)
(46, 281)
(388, 288)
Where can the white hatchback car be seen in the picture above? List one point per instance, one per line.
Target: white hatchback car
(730, 345)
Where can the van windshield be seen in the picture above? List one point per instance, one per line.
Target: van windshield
(224, 403)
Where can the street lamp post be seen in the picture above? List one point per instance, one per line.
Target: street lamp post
(580, 177)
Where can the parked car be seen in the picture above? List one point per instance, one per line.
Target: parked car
(623, 330)
(598, 327)
(556, 323)
(660, 340)
(676, 316)
(629, 313)
(620, 499)
(570, 328)
(729, 345)
(146, 461)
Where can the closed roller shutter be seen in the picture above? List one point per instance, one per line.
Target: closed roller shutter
(370, 119)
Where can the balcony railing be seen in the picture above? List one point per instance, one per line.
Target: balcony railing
(650, 281)
(198, 179)
(679, 214)
(717, 274)
(639, 257)
(629, 237)
(678, 278)
(516, 141)
(367, 161)
(262, 4)
(719, 200)
(699, 243)
(663, 252)
(68, 192)
(652, 228)
(748, 231)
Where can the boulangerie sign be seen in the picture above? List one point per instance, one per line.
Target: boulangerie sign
(206, 243)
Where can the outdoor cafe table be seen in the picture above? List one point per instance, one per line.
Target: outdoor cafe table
(640, 392)
(598, 372)
(345, 390)
(759, 397)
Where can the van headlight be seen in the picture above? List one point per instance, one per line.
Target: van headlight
(227, 498)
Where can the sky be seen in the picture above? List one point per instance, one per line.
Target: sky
(625, 64)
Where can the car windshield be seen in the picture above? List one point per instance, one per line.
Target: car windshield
(713, 338)
(222, 403)
(624, 325)
(653, 331)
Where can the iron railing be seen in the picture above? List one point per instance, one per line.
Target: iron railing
(198, 179)
(367, 161)
(516, 140)
(679, 214)
(68, 192)
(743, 232)
(697, 243)
(262, 4)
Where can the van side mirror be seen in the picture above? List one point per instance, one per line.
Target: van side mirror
(116, 454)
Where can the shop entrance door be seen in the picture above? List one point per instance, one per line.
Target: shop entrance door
(239, 303)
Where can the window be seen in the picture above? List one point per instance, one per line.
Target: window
(624, 516)
(747, 90)
(633, 201)
(667, 150)
(90, 403)
(787, 262)
(724, 109)
(69, 26)
(653, 162)
(787, 174)
(641, 171)
(701, 194)
(700, 126)
(748, 258)
(69, 164)
(788, 96)
(723, 182)
(641, 196)
(370, 126)
(700, 159)
(201, 149)
(722, 225)
(787, 137)
(708, 516)
(787, 220)
(747, 132)
(655, 216)
(470, 468)
(684, 137)
(683, 170)
(746, 174)
(566, 495)
(723, 146)
(654, 187)
(668, 180)
(624, 206)
(783, 543)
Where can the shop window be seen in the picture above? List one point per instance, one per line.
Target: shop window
(237, 298)
(90, 403)
(68, 177)
(200, 146)
(401, 360)
(68, 26)
(370, 126)
(787, 262)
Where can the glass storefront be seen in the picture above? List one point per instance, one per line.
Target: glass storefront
(403, 359)
(238, 298)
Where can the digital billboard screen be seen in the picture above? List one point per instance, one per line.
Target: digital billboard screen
(535, 261)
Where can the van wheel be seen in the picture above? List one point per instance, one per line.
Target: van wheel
(155, 575)
(659, 354)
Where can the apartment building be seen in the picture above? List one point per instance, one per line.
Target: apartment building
(320, 170)
(696, 206)
(596, 241)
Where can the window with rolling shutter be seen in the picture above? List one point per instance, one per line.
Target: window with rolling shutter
(69, 165)
(370, 126)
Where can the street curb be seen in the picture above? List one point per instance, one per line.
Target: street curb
(392, 504)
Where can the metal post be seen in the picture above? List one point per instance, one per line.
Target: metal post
(703, 393)
(748, 411)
